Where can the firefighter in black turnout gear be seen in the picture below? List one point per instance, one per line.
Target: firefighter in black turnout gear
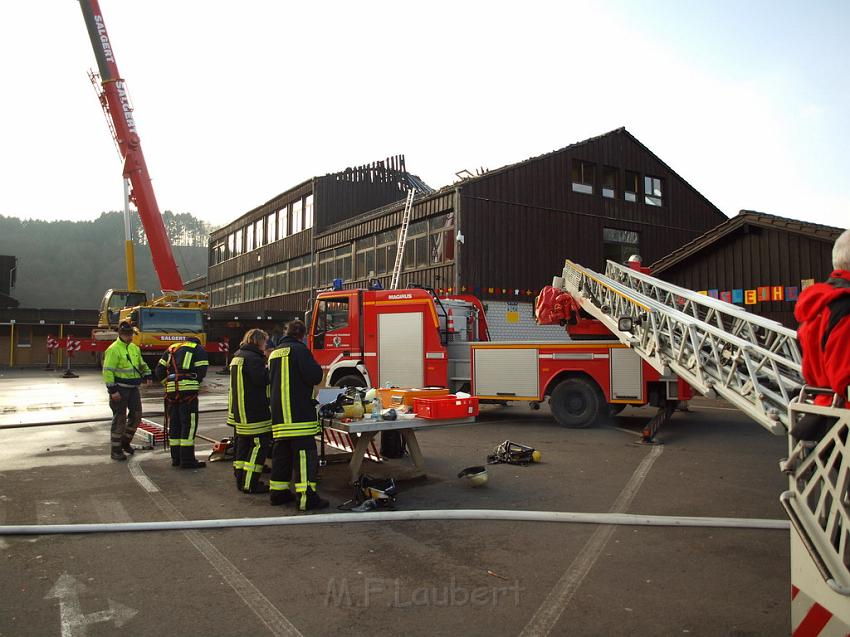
(182, 368)
(294, 372)
(248, 411)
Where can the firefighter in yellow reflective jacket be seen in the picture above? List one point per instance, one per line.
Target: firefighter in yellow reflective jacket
(124, 370)
(248, 411)
(182, 368)
(294, 372)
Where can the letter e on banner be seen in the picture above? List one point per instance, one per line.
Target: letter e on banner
(750, 297)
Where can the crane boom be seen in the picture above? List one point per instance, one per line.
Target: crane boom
(117, 105)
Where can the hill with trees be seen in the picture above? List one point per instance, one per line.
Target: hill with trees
(70, 264)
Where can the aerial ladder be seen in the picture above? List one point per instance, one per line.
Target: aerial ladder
(755, 364)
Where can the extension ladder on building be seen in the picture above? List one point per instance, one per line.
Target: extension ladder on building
(720, 351)
(402, 238)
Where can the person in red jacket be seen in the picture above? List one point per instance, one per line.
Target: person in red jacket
(823, 311)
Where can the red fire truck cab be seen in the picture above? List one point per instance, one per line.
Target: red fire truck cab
(413, 338)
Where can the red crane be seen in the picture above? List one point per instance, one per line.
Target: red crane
(116, 104)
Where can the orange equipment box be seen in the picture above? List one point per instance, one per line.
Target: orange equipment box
(396, 396)
(446, 407)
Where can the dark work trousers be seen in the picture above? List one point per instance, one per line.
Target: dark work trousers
(295, 455)
(251, 453)
(126, 416)
(182, 426)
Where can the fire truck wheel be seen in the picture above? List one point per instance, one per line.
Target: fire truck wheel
(351, 380)
(577, 403)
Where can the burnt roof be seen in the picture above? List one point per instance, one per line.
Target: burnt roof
(747, 218)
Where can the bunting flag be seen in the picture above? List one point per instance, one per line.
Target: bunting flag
(758, 294)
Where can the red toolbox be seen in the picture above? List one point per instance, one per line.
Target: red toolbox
(446, 407)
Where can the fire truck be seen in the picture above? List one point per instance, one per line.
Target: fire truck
(176, 313)
(415, 338)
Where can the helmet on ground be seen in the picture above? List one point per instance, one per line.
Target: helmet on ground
(477, 476)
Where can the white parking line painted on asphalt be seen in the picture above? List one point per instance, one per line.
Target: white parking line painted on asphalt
(110, 509)
(139, 475)
(51, 512)
(267, 612)
(544, 620)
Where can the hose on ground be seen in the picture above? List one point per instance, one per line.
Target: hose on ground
(625, 519)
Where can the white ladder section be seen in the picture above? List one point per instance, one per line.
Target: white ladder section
(402, 238)
(715, 347)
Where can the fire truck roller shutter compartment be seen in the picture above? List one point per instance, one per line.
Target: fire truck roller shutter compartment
(401, 359)
(626, 374)
(506, 373)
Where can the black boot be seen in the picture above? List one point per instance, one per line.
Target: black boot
(127, 447)
(278, 498)
(188, 460)
(240, 478)
(117, 454)
(310, 501)
(257, 487)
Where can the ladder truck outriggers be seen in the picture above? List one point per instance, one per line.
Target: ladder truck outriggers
(755, 364)
(176, 313)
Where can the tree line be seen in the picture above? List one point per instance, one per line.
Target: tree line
(70, 264)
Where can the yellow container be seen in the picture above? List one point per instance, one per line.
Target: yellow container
(398, 396)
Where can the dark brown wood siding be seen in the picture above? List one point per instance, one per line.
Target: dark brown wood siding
(520, 223)
(385, 219)
(437, 276)
(292, 304)
(755, 256)
(277, 252)
(346, 194)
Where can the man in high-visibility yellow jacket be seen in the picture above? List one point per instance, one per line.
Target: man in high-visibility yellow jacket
(182, 369)
(124, 370)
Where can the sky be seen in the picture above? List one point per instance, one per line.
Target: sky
(237, 102)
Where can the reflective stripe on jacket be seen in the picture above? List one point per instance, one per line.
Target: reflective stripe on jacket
(123, 365)
(294, 372)
(182, 367)
(248, 396)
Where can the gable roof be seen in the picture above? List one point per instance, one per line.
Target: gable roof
(746, 218)
(617, 131)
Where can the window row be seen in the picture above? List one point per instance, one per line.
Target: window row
(284, 222)
(614, 184)
(429, 242)
(282, 278)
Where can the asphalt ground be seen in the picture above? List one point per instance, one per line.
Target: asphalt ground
(390, 578)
